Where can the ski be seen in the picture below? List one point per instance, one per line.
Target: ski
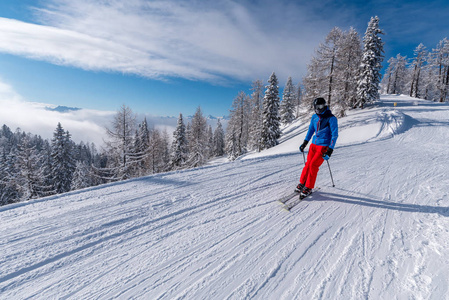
(301, 196)
(289, 206)
(285, 199)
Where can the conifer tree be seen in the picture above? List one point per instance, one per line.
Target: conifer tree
(371, 64)
(8, 189)
(62, 162)
(31, 175)
(287, 104)
(81, 177)
(31, 168)
(271, 120)
(179, 149)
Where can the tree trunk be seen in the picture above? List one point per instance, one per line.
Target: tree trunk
(330, 80)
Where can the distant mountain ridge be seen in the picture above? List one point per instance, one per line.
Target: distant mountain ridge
(62, 109)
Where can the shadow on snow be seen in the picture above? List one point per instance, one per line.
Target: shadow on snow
(364, 200)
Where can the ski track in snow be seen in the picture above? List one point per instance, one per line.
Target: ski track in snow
(216, 232)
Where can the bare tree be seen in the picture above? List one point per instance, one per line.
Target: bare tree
(119, 145)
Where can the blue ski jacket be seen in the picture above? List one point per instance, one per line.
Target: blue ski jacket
(325, 127)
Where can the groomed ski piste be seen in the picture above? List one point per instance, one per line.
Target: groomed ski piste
(217, 232)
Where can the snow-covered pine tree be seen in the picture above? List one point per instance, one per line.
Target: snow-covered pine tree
(30, 167)
(288, 102)
(197, 140)
(8, 192)
(31, 173)
(371, 64)
(219, 140)
(120, 144)
(81, 176)
(62, 161)
(236, 133)
(271, 120)
(256, 116)
(81, 152)
(417, 65)
(179, 149)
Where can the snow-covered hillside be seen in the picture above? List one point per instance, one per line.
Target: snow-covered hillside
(217, 232)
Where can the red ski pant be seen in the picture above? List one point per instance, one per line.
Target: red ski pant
(314, 161)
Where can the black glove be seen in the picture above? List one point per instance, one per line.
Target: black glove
(328, 153)
(303, 146)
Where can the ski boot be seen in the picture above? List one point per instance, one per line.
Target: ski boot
(305, 192)
(299, 188)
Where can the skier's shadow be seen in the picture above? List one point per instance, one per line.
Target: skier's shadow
(363, 200)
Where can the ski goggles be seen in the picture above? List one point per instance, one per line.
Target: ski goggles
(320, 106)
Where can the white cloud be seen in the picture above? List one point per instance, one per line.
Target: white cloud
(84, 125)
(66, 47)
(160, 39)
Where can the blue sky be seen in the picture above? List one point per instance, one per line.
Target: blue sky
(167, 57)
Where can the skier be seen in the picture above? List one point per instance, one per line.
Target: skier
(325, 127)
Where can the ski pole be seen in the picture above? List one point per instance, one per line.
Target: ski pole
(304, 156)
(333, 184)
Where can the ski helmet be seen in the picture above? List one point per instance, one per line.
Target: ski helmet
(319, 104)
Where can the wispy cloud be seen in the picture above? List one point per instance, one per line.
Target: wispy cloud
(196, 40)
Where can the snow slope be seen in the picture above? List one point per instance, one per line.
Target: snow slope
(217, 232)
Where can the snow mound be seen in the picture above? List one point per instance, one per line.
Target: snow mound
(393, 123)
